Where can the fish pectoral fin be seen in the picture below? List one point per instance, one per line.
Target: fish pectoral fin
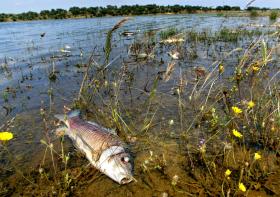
(95, 156)
(61, 131)
(93, 152)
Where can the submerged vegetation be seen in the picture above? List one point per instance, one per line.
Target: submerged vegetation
(200, 110)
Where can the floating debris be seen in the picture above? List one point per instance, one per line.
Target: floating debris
(64, 51)
(172, 40)
(67, 47)
(169, 71)
(200, 71)
(128, 33)
(174, 55)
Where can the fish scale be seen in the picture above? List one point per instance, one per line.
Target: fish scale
(94, 134)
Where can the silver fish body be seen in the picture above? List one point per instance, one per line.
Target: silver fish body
(102, 147)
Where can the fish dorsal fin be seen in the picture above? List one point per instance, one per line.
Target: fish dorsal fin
(112, 131)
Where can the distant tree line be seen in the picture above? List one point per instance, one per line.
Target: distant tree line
(76, 12)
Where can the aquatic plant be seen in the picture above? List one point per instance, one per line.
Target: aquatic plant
(273, 15)
(109, 39)
(165, 34)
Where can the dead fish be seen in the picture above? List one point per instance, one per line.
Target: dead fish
(102, 147)
(145, 56)
(67, 47)
(127, 33)
(172, 40)
(62, 50)
(174, 55)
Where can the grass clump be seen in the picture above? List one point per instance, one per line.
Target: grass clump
(254, 13)
(165, 34)
(273, 15)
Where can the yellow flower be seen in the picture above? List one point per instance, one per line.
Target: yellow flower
(251, 104)
(6, 136)
(227, 172)
(255, 68)
(236, 133)
(236, 110)
(221, 68)
(257, 156)
(242, 187)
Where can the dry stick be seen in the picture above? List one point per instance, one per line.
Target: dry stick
(180, 104)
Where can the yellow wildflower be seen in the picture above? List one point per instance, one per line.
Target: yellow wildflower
(257, 156)
(227, 172)
(242, 187)
(251, 104)
(236, 133)
(6, 136)
(221, 68)
(255, 68)
(236, 110)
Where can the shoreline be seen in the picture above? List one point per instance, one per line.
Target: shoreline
(217, 13)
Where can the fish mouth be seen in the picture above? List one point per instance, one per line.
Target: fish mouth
(126, 180)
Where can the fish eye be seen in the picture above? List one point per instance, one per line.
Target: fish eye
(125, 159)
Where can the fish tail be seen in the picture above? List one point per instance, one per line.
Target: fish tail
(61, 117)
(65, 117)
(73, 113)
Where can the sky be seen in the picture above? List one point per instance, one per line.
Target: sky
(17, 6)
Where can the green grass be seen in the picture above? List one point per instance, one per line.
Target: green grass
(254, 13)
(165, 34)
(273, 15)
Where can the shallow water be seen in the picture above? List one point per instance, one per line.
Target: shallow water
(24, 53)
(26, 60)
